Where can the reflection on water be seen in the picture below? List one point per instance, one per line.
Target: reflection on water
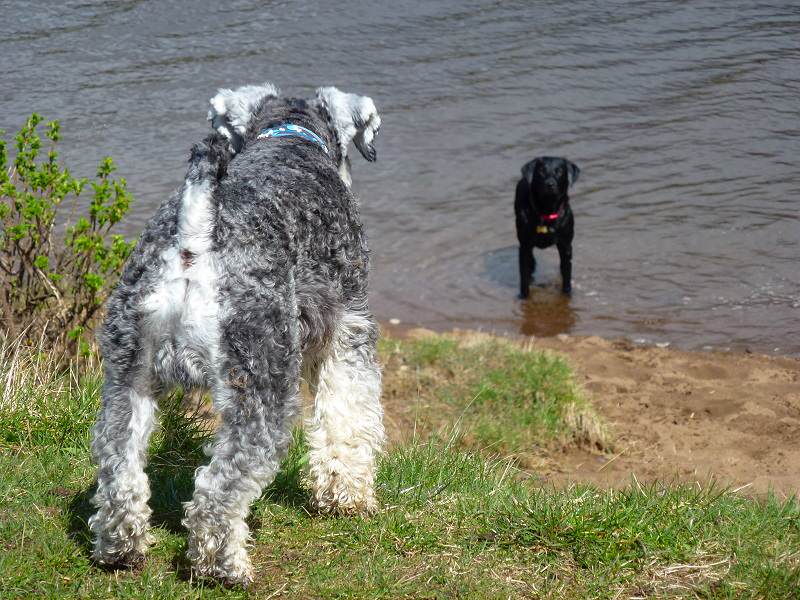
(547, 312)
(682, 116)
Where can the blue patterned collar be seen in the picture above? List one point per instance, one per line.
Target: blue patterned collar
(292, 130)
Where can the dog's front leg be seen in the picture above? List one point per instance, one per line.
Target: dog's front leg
(565, 256)
(346, 432)
(119, 446)
(526, 266)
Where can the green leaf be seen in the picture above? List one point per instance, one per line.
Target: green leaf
(93, 281)
(54, 130)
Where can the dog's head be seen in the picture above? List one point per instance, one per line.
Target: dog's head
(349, 117)
(352, 118)
(548, 178)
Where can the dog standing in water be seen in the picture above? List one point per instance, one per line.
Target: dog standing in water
(255, 271)
(544, 217)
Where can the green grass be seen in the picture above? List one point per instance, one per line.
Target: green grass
(503, 398)
(454, 523)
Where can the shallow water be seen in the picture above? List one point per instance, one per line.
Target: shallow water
(683, 117)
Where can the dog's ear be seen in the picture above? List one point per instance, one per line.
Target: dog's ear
(231, 110)
(529, 168)
(572, 172)
(353, 117)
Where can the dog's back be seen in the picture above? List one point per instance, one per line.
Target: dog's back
(271, 223)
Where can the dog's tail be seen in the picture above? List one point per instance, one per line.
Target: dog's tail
(209, 159)
(208, 164)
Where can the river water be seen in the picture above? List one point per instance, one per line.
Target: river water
(683, 116)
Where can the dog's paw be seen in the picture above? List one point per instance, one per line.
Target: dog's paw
(231, 570)
(522, 296)
(346, 503)
(118, 552)
(132, 561)
(566, 290)
(231, 579)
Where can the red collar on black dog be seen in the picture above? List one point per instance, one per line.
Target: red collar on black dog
(547, 222)
(552, 217)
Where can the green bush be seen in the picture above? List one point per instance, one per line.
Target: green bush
(56, 269)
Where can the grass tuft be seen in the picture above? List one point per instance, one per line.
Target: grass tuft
(505, 399)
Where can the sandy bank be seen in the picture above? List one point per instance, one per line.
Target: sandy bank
(679, 415)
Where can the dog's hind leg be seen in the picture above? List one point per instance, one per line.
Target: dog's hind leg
(119, 446)
(346, 432)
(256, 394)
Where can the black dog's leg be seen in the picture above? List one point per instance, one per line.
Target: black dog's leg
(565, 254)
(526, 266)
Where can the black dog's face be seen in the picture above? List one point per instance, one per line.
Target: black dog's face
(549, 177)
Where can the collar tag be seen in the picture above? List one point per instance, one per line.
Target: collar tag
(292, 130)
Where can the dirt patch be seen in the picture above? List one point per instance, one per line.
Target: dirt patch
(680, 416)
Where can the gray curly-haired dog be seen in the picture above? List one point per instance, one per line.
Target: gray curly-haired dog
(254, 270)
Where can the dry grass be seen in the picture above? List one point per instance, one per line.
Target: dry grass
(45, 396)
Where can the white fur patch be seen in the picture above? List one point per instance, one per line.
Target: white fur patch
(231, 110)
(344, 172)
(141, 425)
(181, 316)
(346, 432)
(195, 218)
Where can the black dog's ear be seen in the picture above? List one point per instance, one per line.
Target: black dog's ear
(529, 168)
(572, 172)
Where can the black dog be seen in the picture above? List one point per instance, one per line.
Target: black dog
(544, 217)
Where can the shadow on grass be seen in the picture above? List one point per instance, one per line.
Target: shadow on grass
(78, 513)
(175, 453)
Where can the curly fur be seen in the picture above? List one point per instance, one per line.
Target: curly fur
(255, 269)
